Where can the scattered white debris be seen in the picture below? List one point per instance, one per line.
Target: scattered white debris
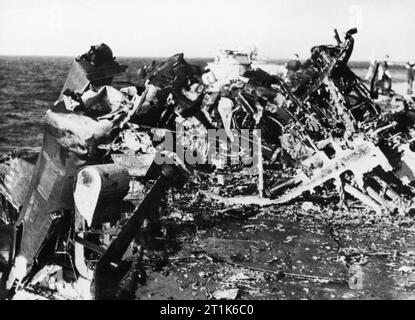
(238, 277)
(289, 239)
(405, 269)
(308, 206)
(230, 294)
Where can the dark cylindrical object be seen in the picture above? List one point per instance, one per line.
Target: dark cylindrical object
(280, 187)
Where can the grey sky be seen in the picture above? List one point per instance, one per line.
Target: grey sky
(198, 28)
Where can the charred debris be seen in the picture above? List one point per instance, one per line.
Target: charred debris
(98, 178)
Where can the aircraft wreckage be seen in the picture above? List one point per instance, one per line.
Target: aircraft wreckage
(322, 130)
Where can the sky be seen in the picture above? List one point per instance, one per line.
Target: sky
(147, 28)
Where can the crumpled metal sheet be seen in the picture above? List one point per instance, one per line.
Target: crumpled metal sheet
(15, 183)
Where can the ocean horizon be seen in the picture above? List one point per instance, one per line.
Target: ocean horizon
(353, 62)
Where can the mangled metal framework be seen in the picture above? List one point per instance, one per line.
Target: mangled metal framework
(100, 144)
(329, 127)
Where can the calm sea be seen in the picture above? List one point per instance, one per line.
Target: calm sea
(30, 85)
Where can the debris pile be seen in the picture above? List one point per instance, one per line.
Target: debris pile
(238, 135)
